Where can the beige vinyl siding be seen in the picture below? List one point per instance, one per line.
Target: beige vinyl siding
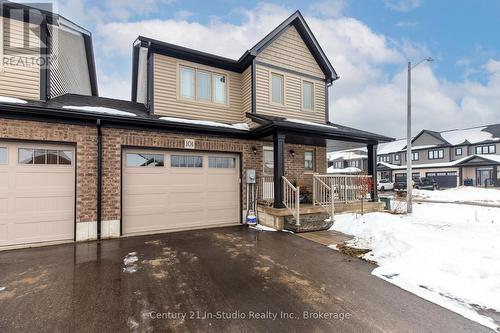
(18, 80)
(290, 51)
(292, 107)
(246, 92)
(167, 103)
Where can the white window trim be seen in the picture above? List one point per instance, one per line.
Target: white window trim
(302, 95)
(195, 100)
(283, 85)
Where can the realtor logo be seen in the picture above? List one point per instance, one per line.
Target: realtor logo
(23, 34)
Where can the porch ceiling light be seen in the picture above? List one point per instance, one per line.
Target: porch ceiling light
(292, 152)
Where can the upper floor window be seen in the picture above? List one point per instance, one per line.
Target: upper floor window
(309, 160)
(396, 157)
(202, 85)
(339, 164)
(415, 156)
(277, 88)
(458, 151)
(308, 96)
(489, 149)
(436, 154)
(385, 158)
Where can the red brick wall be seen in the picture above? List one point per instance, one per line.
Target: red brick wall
(85, 138)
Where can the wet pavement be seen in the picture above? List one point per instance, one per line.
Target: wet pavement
(220, 280)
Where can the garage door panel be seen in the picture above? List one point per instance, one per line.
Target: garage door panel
(36, 201)
(193, 196)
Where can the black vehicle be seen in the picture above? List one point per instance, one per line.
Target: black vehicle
(425, 183)
(400, 185)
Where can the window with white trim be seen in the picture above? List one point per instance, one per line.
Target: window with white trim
(385, 158)
(436, 154)
(309, 160)
(415, 156)
(489, 149)
(307, 95)
(44, 156)
(396, 157)
(221, 162)
(186, 161)
(277, 88)
(458, 151)
(202, 85)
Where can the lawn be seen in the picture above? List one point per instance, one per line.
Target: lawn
(446, 253)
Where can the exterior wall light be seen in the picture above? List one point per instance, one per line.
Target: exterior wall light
(254, 150)
(292, 152)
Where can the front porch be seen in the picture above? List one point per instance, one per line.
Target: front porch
(303, 197)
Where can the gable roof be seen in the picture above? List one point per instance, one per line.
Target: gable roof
(473, 135)
(188, 54)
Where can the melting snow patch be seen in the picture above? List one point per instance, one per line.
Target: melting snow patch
(261, 227)
(5, 99)
(100, 109)
(129, 262)
(2, 288)
(239, 126)
(305, 122)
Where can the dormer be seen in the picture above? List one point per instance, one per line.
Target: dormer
(43, 54)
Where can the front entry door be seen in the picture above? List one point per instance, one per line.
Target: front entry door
(484, 177)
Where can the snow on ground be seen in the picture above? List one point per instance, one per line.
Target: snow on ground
(130, 262)
(100, 109)
(5, 99)
(448, 254)
(462, 194)
(240, 126)
(2, 288)
(261, 227)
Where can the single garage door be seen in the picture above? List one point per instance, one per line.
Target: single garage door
(169, 190)
(444, 179)
(37, 193)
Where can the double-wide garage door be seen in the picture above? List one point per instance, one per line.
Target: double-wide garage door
(177, 190)
(447, 179)
(37, 193)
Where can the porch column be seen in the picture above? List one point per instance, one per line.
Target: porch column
(372, 169)
(279, 168)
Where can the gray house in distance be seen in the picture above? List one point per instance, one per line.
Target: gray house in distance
(452, 157)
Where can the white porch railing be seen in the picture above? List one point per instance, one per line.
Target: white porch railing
(291, 199)
(323, 196)
(266, 188)
(346, 188)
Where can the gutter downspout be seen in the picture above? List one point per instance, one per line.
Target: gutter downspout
(99, 178)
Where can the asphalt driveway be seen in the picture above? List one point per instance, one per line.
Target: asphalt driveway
(226, 279)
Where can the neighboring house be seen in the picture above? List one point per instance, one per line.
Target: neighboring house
(351, 161)
(452, 158)
(79, 167)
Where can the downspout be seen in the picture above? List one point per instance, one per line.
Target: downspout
(99, 178)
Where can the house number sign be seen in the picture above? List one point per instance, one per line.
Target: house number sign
(188, 143)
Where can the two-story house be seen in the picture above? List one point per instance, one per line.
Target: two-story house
(180, 155)
(455, 157)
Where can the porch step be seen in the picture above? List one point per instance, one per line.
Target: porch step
(308, 222)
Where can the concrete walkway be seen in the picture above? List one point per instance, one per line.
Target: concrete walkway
(326, 237)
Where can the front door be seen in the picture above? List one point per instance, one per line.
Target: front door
(484, 176)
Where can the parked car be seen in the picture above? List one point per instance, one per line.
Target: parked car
(401, 185)
(384, 185)
(425, 183)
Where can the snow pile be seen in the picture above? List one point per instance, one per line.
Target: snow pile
(239, 126)
(344, 170)
(446, 253)
(100, 109)
(12, 100)
(2, 288)
(462, 194)
(261, 227)
(130, 262)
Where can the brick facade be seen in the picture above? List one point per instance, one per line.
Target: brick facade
(85, 139)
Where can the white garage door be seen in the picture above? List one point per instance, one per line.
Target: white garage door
(168, 190)
(37, 191)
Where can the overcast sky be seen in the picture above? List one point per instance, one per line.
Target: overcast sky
(368, 43)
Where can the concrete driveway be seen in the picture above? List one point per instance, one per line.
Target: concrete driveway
(226, 279)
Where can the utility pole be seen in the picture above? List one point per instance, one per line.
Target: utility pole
(409, 178)
(409, 186)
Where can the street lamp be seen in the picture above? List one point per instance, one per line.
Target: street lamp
(409, 177)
